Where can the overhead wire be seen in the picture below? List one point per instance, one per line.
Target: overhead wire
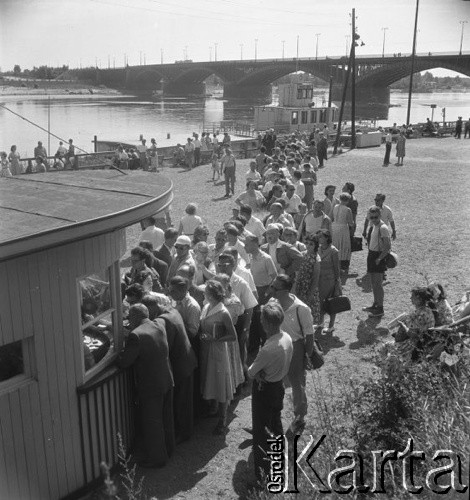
(54, 135)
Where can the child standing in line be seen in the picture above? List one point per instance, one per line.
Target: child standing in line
(190, 221)
(215, 167)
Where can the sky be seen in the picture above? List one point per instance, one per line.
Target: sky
(89, 32)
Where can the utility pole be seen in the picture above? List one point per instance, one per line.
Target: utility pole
(145, 60)
(413, 53)
(347, 44)
(383, 44)
(241, 52)
(215, 51)
(109, 62)
(114, 62)
(343, 100)
(461, 36)
(316, 47)
(283, 44)
(161, 56)
(140, 58)
(210, 53)
(353, 80)
(256, 49)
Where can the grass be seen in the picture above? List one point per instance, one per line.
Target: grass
(429, 199)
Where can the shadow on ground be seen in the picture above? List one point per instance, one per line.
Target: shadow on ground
(329, 342)
(364, 283)
(368, 333)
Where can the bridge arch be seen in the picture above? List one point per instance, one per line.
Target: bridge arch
(269, 74)
(199, 74)
(386, 75)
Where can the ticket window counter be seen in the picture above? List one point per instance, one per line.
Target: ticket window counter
(100, 312)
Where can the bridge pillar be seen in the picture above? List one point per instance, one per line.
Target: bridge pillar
(371, 102)
(250, 91)
(183, 89)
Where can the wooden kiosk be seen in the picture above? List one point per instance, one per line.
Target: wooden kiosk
(62, 400)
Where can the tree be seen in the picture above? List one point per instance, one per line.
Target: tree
(17, 69)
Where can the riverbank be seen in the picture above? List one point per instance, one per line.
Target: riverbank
(432, 244)
(25, 87)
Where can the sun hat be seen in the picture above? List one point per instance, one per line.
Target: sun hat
(183, 240)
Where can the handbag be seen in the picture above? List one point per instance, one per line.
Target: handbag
(391, 260)
(335, 305)
(356, 243)
(317, 358)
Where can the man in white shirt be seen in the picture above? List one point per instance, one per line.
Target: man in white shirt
(292, 199)
(253, 224)
(269, 368)
(243, 272)
(299, 185)
(386, 216)
(253, 174)
(379, 247)
(151, 233)
(298, 323)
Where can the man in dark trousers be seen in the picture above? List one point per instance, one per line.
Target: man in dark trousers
(147, 350)
(269, 368)
(183, 362)
(458, 128)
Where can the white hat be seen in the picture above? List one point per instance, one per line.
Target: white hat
(183, 240)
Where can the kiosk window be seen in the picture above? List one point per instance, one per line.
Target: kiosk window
(98, 315)
(11, 360)
(295, 118)
(313, 116)
(304, 117)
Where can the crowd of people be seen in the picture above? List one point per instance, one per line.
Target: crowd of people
(244, 310)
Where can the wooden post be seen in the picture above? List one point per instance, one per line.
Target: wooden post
(343, 99)
(413, 54)
(353, 81)
(95, 143)
(330, 92)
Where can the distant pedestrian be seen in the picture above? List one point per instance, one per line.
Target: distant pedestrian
(142, 150)
(153, 153)
(215, 167)
(189, 153)
(401, 149)
(467, 129)
(226, 141)
(70, 156)
(4, 165)
(197, 150)
(322, 149)
(15, 165)
(388, 148)
(40, 151)
(228, 165)
(458, 128)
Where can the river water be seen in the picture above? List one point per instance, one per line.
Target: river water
(124, 118)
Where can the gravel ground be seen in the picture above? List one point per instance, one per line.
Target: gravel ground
(427, 196)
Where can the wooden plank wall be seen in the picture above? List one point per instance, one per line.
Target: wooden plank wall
(40, 447)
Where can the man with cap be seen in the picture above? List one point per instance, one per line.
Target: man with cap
(147, 350)
(182, 257)
(286, 258)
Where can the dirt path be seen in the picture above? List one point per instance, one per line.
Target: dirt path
(429, 198)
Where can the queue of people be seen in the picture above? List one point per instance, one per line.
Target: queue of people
(245, 310)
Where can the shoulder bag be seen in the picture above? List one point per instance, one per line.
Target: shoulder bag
(335, 305)
(317, 359)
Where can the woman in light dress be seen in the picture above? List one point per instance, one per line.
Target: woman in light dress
(329, 284)
(314, 220)
(216, 331)
(235, 308)
(401, 149)
(153, 153)
(342, 227)
(15, 165)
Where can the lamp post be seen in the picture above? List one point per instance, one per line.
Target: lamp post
(241, 52)
(283, 44)
(210, 53)
(383, 43)
(353, 79)
(347, 44)
(256, 49)
(140, 58)
(297, 56)
(215, 51)
(316, 46)
(461, 36)
(161, 56)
